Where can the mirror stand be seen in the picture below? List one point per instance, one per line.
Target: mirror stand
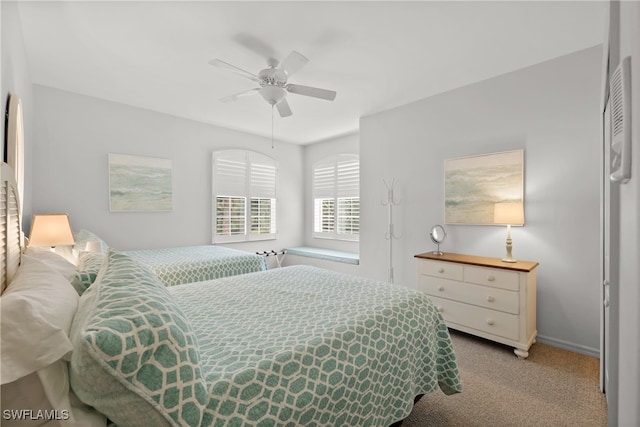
(437, 251)
(437, 235)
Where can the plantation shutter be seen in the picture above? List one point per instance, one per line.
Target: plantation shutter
(348, 196)
(348, 176)
(244, 196)
(262, 176)
(230, 176)
(324, 180)
(324, 190)
(336, 197)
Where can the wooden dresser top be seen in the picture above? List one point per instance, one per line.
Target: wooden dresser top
(525, 266)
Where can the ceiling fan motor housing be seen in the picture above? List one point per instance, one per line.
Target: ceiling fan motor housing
(272, 85)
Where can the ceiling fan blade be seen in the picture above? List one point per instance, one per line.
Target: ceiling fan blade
(225, 65)
(293, 63)
(235, 96)
(283, 108)
(315, 92)
(258, 46)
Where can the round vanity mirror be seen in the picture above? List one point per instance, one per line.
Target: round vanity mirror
(437, 235)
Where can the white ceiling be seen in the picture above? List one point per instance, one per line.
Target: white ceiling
(376, 55)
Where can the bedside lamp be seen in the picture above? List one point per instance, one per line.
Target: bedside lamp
(508, 214)
(51, 230)
(93, 246)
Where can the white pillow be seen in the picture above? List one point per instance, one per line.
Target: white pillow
(53, 260)
(36, 311)
(38, 304)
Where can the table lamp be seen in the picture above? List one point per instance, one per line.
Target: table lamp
(51, 230)
(509, 214)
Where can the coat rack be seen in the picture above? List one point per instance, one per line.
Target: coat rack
(390, 235)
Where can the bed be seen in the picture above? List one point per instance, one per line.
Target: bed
(285, 347)
(173, 266)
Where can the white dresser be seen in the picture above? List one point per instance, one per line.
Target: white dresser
(483, 296)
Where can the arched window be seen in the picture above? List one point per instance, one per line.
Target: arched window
(244, 196)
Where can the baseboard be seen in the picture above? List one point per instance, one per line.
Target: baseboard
(587, 351)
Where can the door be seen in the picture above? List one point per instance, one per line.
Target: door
(610, 289)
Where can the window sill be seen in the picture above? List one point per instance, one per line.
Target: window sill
(326, 254)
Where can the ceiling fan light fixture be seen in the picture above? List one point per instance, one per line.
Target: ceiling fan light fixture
(273, 94)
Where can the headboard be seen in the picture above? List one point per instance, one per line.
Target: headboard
(10, 227)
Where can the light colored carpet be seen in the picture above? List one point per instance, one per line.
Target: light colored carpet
(552, 387)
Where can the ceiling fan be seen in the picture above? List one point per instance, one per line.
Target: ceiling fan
(273, 82)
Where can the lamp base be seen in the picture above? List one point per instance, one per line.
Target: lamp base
(509, 257)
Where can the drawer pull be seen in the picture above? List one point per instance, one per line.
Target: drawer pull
(441, 309)
(490, 298)
(491, 278)
(441, 270)
(441, 288)
(490, 322)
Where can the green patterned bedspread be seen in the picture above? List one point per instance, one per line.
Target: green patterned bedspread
(175, 266)
(306, 346)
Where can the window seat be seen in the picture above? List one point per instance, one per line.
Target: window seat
(326, 254)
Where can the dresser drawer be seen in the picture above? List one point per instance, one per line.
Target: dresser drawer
(445, 270)
(483, 296)
(493, 277)
(482, 319)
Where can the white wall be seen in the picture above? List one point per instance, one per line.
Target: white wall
(74, 135)
(16, 79)
(551, 110)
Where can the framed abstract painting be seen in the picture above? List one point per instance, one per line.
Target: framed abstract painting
(474, 185)
(139, 184)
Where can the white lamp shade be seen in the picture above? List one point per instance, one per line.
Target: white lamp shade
(51, 230)
(508, 214)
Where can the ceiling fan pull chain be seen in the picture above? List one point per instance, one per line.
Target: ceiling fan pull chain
(271, 126)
